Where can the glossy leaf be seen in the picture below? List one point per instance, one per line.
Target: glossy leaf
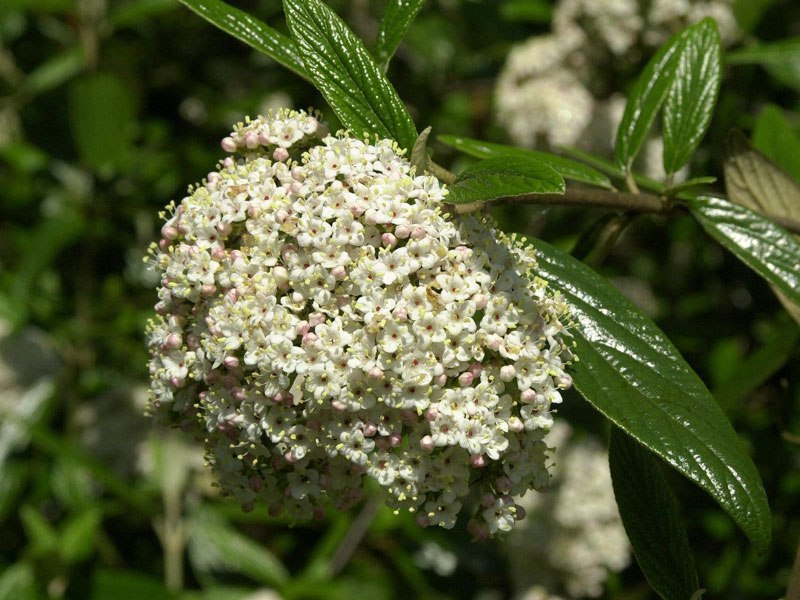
(633, 374)
(650, 516)
(346, 74)
(566, 167)
(693, 94)
(774, 136)
(754, 181)
(646, 97)
(495, 178)
(765, 247)
(251, 31)
(397, 16)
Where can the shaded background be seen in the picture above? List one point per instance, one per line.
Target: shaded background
(108, 109)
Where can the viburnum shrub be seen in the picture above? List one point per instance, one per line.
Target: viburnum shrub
(333, 311)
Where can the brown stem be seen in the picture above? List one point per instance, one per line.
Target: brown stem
(606, 199)
(793, 591)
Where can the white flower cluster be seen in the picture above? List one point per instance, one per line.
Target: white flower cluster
(550, 89)
(322, 321)
(575, 536)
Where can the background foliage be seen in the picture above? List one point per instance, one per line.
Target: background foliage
(107, 111)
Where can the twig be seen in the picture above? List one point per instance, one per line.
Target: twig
(354, 536)
(649, 203)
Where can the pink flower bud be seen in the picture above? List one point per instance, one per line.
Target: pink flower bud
(382, 443)
(488, 500)
(302, 328)
(417, 233)
(519, 512)
(174, 340)
(494, 342)
(465, 379)
(239, 394)
(228, 163)
(224, 228)
(297, 187)
(229, 382)
(338, 405)
(388, 240)
(527, 396)
(256, 483)
(169, 232)
(431, 413)
(232, 295)
(263, 137)
(401, 314)
(357, 210)
(218, 254)
(564, 381)
(480, 301)
(402, 231)
(339, 272)
(297, 174)
(440, 379)
(370, 429)
(477, 461)
(208, 289)
(251, 140)
(228, 144)
(290, 457)
(281, 276)
(176, 382)
(213, 178)
(316, 318)
(426, 443)
(163, 244)
(422, 519)
(515, 424)
(375, 373)
(280, 154)
(192, 341)
(309, 338)
(371, 218)
(507, 372)
(395, 440)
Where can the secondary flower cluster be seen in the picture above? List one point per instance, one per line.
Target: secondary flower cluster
(575, 536)
(321, 322)
(553, 88)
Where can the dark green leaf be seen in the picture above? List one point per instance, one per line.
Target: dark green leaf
(774, 136)
(215, 546)
(651, 519)
(633, 374)
(765, 247)
(12, 482)
(251, 31)
(749, 12)
(494, 178)
(692, 96)
(781, 59)
(395, 21)
(645, 99)
(346, 74)
(102, 120)
(566, 167)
